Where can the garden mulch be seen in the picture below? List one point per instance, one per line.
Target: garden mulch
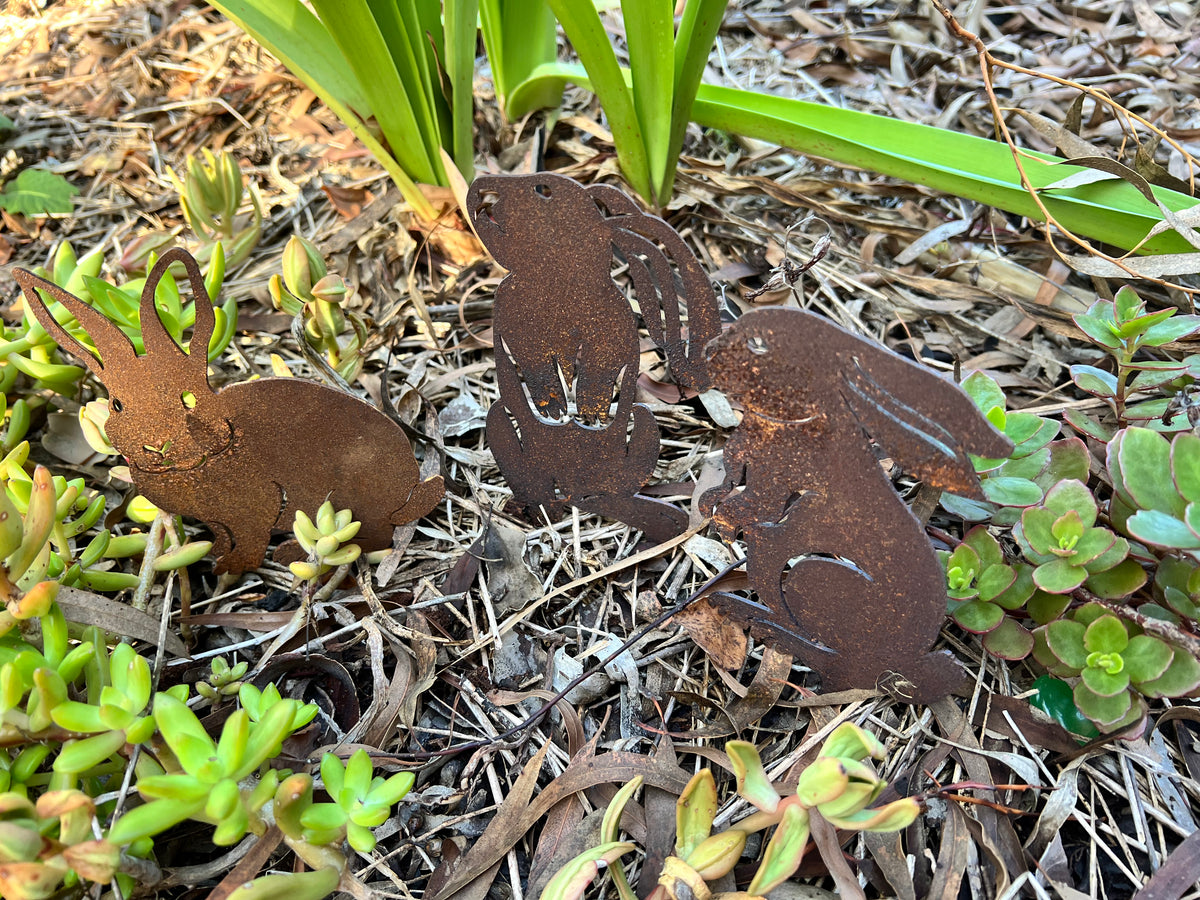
(454, 646)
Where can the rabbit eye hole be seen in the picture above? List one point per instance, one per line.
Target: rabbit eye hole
(756, 345)
(115, 405)
(188, 399)
(543, 190)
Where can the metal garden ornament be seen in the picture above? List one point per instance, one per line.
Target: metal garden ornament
(245, 458)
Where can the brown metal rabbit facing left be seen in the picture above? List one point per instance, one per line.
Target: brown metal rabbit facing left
(242, 459)
(845, 577)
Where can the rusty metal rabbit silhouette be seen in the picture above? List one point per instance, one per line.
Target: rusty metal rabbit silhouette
(563, 326)
(846, 579)
(242, 459)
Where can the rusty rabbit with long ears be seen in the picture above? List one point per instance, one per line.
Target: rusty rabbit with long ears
(245, 458)
(566, 430)
(846, 579)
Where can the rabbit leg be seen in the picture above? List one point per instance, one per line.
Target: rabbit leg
(532, 486)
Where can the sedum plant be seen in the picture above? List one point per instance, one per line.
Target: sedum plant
(1114, 666)
(983, 590)
(1122, 327)
(1036, 464)
(308, 289)
(1061, 538)
(326, 541)
(840, 785)
(211, 194)
(47, 843)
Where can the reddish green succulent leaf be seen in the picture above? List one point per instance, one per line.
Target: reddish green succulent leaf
(1092, 545)
(1064, 638)
(1145, 460)
(1146, 658)
(978, 616)
(1069, 495)
(1102, 710)
(1098, 324)
(1185, 465)
(1027, 467)
(1037, 530)
(1156, 377)
(995, 580)
(1152, 526)
(1059, 576)
(1044, 607)
(1009, 640)
(1086, 425)
(1012, 491)
(1018, 593)
(1069, 459)
(1182, 677)
(1118, 582)
(1173, 329)
(1110, 557)
(1094, 381)
(986, 547)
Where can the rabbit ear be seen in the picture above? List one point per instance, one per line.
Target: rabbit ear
(114, 347)
(658, 244)
(157, 340)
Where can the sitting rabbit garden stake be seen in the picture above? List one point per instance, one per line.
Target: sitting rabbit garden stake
(845, 577)
(242, 459)
(566, 430)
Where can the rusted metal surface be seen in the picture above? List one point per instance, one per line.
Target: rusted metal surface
(566, 430)
(242, 459)
(845, 577)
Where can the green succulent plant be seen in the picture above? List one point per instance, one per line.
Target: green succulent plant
(1122, 328)
(840, 784)
(1038, 461)
(982, 591)
(47, 843)
(1061, 538)
(308, 289)
(211, 194)
(1115, 664)
(1177, 586)
(326, 541)
(223, 680)
(204, 779)
(1156, 487)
